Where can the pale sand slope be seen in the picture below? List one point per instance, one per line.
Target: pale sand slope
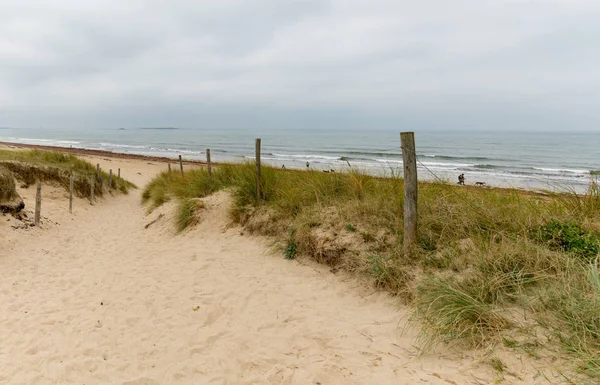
(98, 299)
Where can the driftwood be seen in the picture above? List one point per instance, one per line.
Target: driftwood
(154, 221)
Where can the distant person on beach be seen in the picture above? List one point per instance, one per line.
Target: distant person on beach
(307, 165)
(283, 167)
(461, 179)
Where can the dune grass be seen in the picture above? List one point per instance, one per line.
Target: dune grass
(7, 185)
(28, 166)
(484, 258)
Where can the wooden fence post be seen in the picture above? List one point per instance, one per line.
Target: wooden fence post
(38, 203)
(208, 164)
(181, 165)
(110, 179)
(118, 173)
(98, 175)
(91, 190)
(409, 158)
(71, 194)
(169, 164)
(258, 176)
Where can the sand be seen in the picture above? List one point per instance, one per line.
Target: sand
(97, 298)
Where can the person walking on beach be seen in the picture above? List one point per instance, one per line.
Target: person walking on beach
(461, 179)
(307, 165)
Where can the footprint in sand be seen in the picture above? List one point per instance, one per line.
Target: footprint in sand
(213, 316)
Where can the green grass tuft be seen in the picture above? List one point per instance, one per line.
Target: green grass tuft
(187, 213)
(290, 250)
(570, 237)
(449, 313)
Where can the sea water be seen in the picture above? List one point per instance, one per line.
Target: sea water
(531, 160)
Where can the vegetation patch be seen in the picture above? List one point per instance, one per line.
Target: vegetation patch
(570, 237)
(450, 313)
(290, 250)
(484, 256)
(187, 213)
(7, 185)
(55, 167)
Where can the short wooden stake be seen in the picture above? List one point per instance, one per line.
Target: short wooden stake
(181, 165)
(38, 203)
(258, 176)
(110, 179)
(208, 164)
(409, 158)
(169, 167)
(118, 173)
(71, 194)
(91, 190)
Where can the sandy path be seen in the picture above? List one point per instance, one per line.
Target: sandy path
(99, 299)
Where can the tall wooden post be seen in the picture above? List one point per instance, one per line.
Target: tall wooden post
(169, 164)
(38, 203)
(91, 190)
(71, 194)
(110, 179)
(181, 165)
(208, 164)
(118, 173)
(409, 158)
(258, 176)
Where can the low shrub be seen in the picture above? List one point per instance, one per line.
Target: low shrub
(570, 237)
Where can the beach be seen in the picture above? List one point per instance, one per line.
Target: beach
(111, 295)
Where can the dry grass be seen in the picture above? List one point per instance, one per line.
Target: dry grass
(55, 167)
(480, 252)
(7, 185)
(187, 213)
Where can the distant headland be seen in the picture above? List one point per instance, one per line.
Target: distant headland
(158, 128)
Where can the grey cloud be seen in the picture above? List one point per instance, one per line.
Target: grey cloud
(338, 63)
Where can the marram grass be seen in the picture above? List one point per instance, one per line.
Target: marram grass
(483, 255)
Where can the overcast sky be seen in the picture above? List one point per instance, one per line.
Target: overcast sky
(472, 64)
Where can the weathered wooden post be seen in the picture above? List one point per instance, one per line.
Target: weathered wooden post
(169, 164)
(118, 173)
(409, 158)
(98, 175)
(208, 164)
(38, 203)
(71, 194)
(110, 179)
(91, 190)
(181, 165)
(258, 176)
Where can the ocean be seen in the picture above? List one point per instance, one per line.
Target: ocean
(528, 160)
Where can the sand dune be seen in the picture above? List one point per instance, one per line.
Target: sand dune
(97, 298)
